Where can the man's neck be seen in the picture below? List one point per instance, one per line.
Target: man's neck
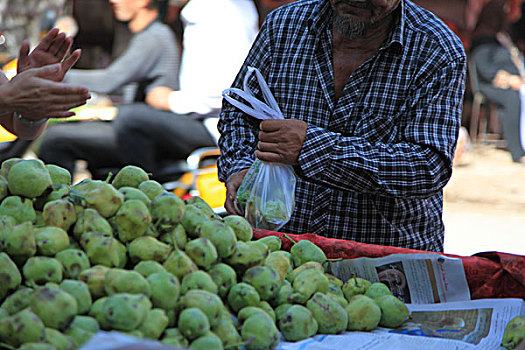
(371, 39)
(143, 19)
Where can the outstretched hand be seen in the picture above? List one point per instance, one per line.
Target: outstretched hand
(33, 94)
(53, 48)
(232, 186)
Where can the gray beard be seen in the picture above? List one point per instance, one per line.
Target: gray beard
(349, 29)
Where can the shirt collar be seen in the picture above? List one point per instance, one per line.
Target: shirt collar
(322, 12)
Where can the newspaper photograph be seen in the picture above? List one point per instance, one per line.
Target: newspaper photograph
(413, 278)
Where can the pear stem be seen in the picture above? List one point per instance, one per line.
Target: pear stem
(289, 238)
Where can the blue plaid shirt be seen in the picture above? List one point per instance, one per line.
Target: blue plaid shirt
(374, 163)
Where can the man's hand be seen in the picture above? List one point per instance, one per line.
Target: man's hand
(281, 141)
(35, 96)
(53, 48)
(158, 97)
(231, 191)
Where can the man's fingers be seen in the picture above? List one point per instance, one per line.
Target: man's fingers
(270, 157)
(23, 56)
(71, 60)
(48, 39)
(270, 125)
(60, 46)
(46, 71)
(268, 147)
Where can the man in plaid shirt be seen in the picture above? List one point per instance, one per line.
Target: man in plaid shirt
(372, 94)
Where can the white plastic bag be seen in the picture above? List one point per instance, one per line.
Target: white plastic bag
(266, 197)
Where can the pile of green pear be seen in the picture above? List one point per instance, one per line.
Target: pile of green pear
(126, 255)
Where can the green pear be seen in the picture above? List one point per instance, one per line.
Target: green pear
(126, 312)
(4, 190)
(198, 280)
(304, 251)
(224, 277)
(193, 323)
(82, 329)
(132, 220)
(201, 204)
(377, 289)
(36, 346)
(101, 250)
(60, 213)
(58, 174)
(242, 295)
(207, 341)
(260, 332)
(39, 270)
(280, 262)
(55, 307)
(192, 219)
(22, 327)
(202, 252)
(7, 164)
(10, 277)
(307, 283)
(151, 188)
(165, 290)
(130, 176)
(514, 333)
(240, 226)
(126, 281)
(51, 240)
(80, 291)
(207, 302)
(89, 220)
(355, 286)
(97, 312)
(177, 237)
(134, 193)
(59, 191)
(298, 323)
(73, 261)
(247, 312)
(154, 324)
(264, 279)
(228, 334)
(179, 264)
(59, 340)
(98, 195)
(167, 211)
(149, 267)
(331, 317)
(221, 235)
(273, 242)
(28, 178)
(244, 257)
(148, 248)
(17, 301)
(19, 208)
(393, 311)
(95, 278)
(363, 313)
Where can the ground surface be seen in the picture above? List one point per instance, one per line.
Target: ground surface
(484, 206)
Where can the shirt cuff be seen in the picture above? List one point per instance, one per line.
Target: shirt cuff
(315, 153)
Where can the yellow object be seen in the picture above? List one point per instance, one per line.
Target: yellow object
(203, 183)
(6, 136)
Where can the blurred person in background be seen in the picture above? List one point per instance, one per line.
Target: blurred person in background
(174, 122)
(500, 68)
(151, 59)
(36, 93)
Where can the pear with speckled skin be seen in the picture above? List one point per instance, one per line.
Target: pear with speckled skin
(4, 190)
(126, 281)
(80, 291)
(165, 290)
(242, 295)
(55, 307)
(151, 188)
(51, 240)
(99, 195)
(101, 250)
(154, 324)
(147, 268)
(58, 174)
(19, 208)
(130, 176)
(260, 332)
(355, 286)
(22, 327)
(179, 264)
(60, 213)
(363, 313)
(297, 323)
(134, 193)
(244, 257)
(167, 211)
(393, 311)
(198, 280)
(10, 277)
(126, 311)
(132, 220)
(82, 329)
(36, 346)
(38, 270)
(331, 317)
(240, 226)
(74, 261)
(95, 278)
(224, 277)
(193, 323)
(28, 178)
(17, 301)
(89, 220)
(221, 235)
(307, 283)
(59, 340)
(514, 333)
(202, 252)
(207, 302)
(266, 281)
(148, 248)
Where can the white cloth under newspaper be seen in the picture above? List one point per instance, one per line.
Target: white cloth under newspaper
(414, 278)
(466, 325)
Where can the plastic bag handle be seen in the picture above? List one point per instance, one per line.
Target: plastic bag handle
(258, 109)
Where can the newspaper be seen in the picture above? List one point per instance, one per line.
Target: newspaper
(414, 278)
(465, 325)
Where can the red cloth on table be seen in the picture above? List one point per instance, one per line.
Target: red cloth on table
(489, 275)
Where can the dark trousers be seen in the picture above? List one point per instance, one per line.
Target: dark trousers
(140, 135)
(146, 135)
